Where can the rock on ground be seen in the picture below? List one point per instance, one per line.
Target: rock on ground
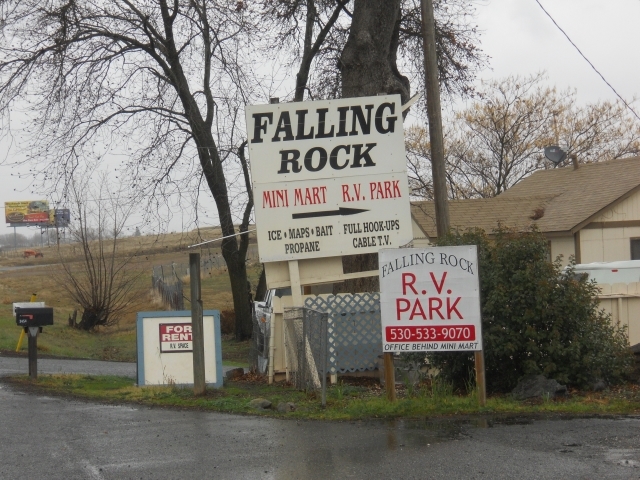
(538, 386)
(286, 407)
(235, 373)
(260, 403)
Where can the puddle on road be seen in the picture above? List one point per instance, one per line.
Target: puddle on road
(426, 432)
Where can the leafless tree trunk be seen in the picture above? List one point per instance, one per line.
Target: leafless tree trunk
(312, 35)
(368, 67)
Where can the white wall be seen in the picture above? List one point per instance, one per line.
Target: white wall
(562, 246)
(419, 238)
(606, 244)
(628, 209)
(611, 244)
(622, 301)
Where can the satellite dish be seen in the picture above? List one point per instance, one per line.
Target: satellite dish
(555, 154)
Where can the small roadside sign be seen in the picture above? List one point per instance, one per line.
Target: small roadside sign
(175, 337)
(430, 299)
(165, 348)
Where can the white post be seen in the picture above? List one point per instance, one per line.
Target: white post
(296, 295)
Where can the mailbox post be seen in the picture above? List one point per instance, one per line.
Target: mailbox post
(32, 319)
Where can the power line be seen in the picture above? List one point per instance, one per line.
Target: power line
(588, 61)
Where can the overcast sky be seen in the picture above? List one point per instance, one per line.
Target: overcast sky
(519, 39)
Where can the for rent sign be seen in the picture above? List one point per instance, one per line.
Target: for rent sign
(430, 299)
(329, 177)
(175, 337)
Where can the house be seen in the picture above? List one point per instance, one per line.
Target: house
(592, 212)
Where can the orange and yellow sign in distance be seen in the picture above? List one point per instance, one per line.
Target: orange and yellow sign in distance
(29, 212)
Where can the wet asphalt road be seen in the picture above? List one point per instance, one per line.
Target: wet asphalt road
(55, 438)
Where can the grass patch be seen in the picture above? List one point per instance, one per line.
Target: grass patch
(59, 340)
(344, 401)
(117, 344)
(235, 353)
(114, 343)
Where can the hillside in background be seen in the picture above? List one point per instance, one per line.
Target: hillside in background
(20, 277)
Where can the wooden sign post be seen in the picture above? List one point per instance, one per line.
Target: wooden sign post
(389, 377)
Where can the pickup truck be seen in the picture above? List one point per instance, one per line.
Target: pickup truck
(264, 314)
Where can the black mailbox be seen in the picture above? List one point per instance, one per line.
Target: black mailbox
(34, 316)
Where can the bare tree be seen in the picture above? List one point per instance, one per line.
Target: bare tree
(499, 140)
(504, 132)
(418, 152)
(160, 81)
(312, 34)
(8, 240)
(97, 273)
(368, 67)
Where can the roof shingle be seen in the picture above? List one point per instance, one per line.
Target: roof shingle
(565, 197)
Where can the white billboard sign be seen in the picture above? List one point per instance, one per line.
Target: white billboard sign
(430, 299)
(329, 177)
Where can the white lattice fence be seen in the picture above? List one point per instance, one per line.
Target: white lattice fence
(354, 336)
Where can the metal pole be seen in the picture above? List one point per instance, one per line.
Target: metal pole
(434, 114)
(33, 352)
(196, 325)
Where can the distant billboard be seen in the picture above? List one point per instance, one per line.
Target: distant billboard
(34, 212)
(59, 217)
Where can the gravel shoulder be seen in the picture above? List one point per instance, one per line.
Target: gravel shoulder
(15, 365)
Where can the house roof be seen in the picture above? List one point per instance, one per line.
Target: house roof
(556, 200)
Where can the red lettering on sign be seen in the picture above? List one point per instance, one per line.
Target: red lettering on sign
(356, 187)
(399, 310)
(275, 198)
(386, 189)
(417, 311)
(433, 308)
(408, 279)
(311, 196)
(441, 284)
(452, 308)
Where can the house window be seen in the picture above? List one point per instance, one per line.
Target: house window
(635, 249)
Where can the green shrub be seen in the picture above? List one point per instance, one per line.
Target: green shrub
(537, 318)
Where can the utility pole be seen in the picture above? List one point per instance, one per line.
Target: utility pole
(196, 326)
(434, 114)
